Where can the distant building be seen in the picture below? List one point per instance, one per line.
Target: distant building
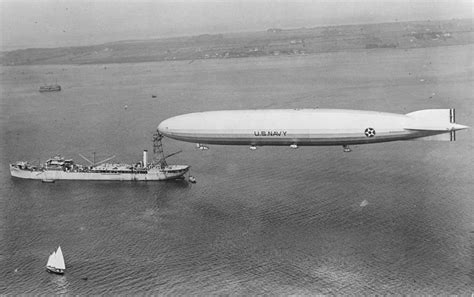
(296, 41)
(274, 30)
(382, 45)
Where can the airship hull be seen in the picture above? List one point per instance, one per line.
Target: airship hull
(304, 127)
(313, 140)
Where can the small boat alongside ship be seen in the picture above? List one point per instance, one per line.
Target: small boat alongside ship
(59, 168)
(50, 88)
(56, 262)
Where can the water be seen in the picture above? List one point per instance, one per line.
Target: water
(394, 218)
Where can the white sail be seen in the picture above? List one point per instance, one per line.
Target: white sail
(60, 259)
(50, 259)
(56, 260)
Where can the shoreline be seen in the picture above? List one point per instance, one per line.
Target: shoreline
(271, 43)
(245, 59)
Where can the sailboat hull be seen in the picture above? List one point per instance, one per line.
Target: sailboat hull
(54, 270)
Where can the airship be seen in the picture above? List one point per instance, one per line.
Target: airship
(309, 127)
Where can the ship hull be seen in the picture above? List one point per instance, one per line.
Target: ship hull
(171, 172)
(54, 270)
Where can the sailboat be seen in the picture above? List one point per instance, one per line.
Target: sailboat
(56, 262)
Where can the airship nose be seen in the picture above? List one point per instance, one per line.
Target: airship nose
(163, 127)
(172, 126)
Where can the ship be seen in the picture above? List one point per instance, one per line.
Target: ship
(50, 88)
(59, 168)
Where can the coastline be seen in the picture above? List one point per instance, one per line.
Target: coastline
(273, 42)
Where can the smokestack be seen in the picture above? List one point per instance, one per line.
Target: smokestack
(145, 164)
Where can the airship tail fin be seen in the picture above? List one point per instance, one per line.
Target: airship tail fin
(434, 117)
(435, 120)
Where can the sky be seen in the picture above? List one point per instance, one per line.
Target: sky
(55, 23)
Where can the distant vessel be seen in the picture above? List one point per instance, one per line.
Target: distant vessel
(58, 168)
(56, 262)
(50, 88)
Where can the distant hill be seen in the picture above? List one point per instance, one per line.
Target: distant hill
(273, 41)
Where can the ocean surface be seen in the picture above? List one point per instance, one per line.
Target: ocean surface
(391, 218)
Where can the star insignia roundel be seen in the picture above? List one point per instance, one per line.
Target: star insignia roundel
(370, 132)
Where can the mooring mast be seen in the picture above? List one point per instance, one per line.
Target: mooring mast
(158, 153)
